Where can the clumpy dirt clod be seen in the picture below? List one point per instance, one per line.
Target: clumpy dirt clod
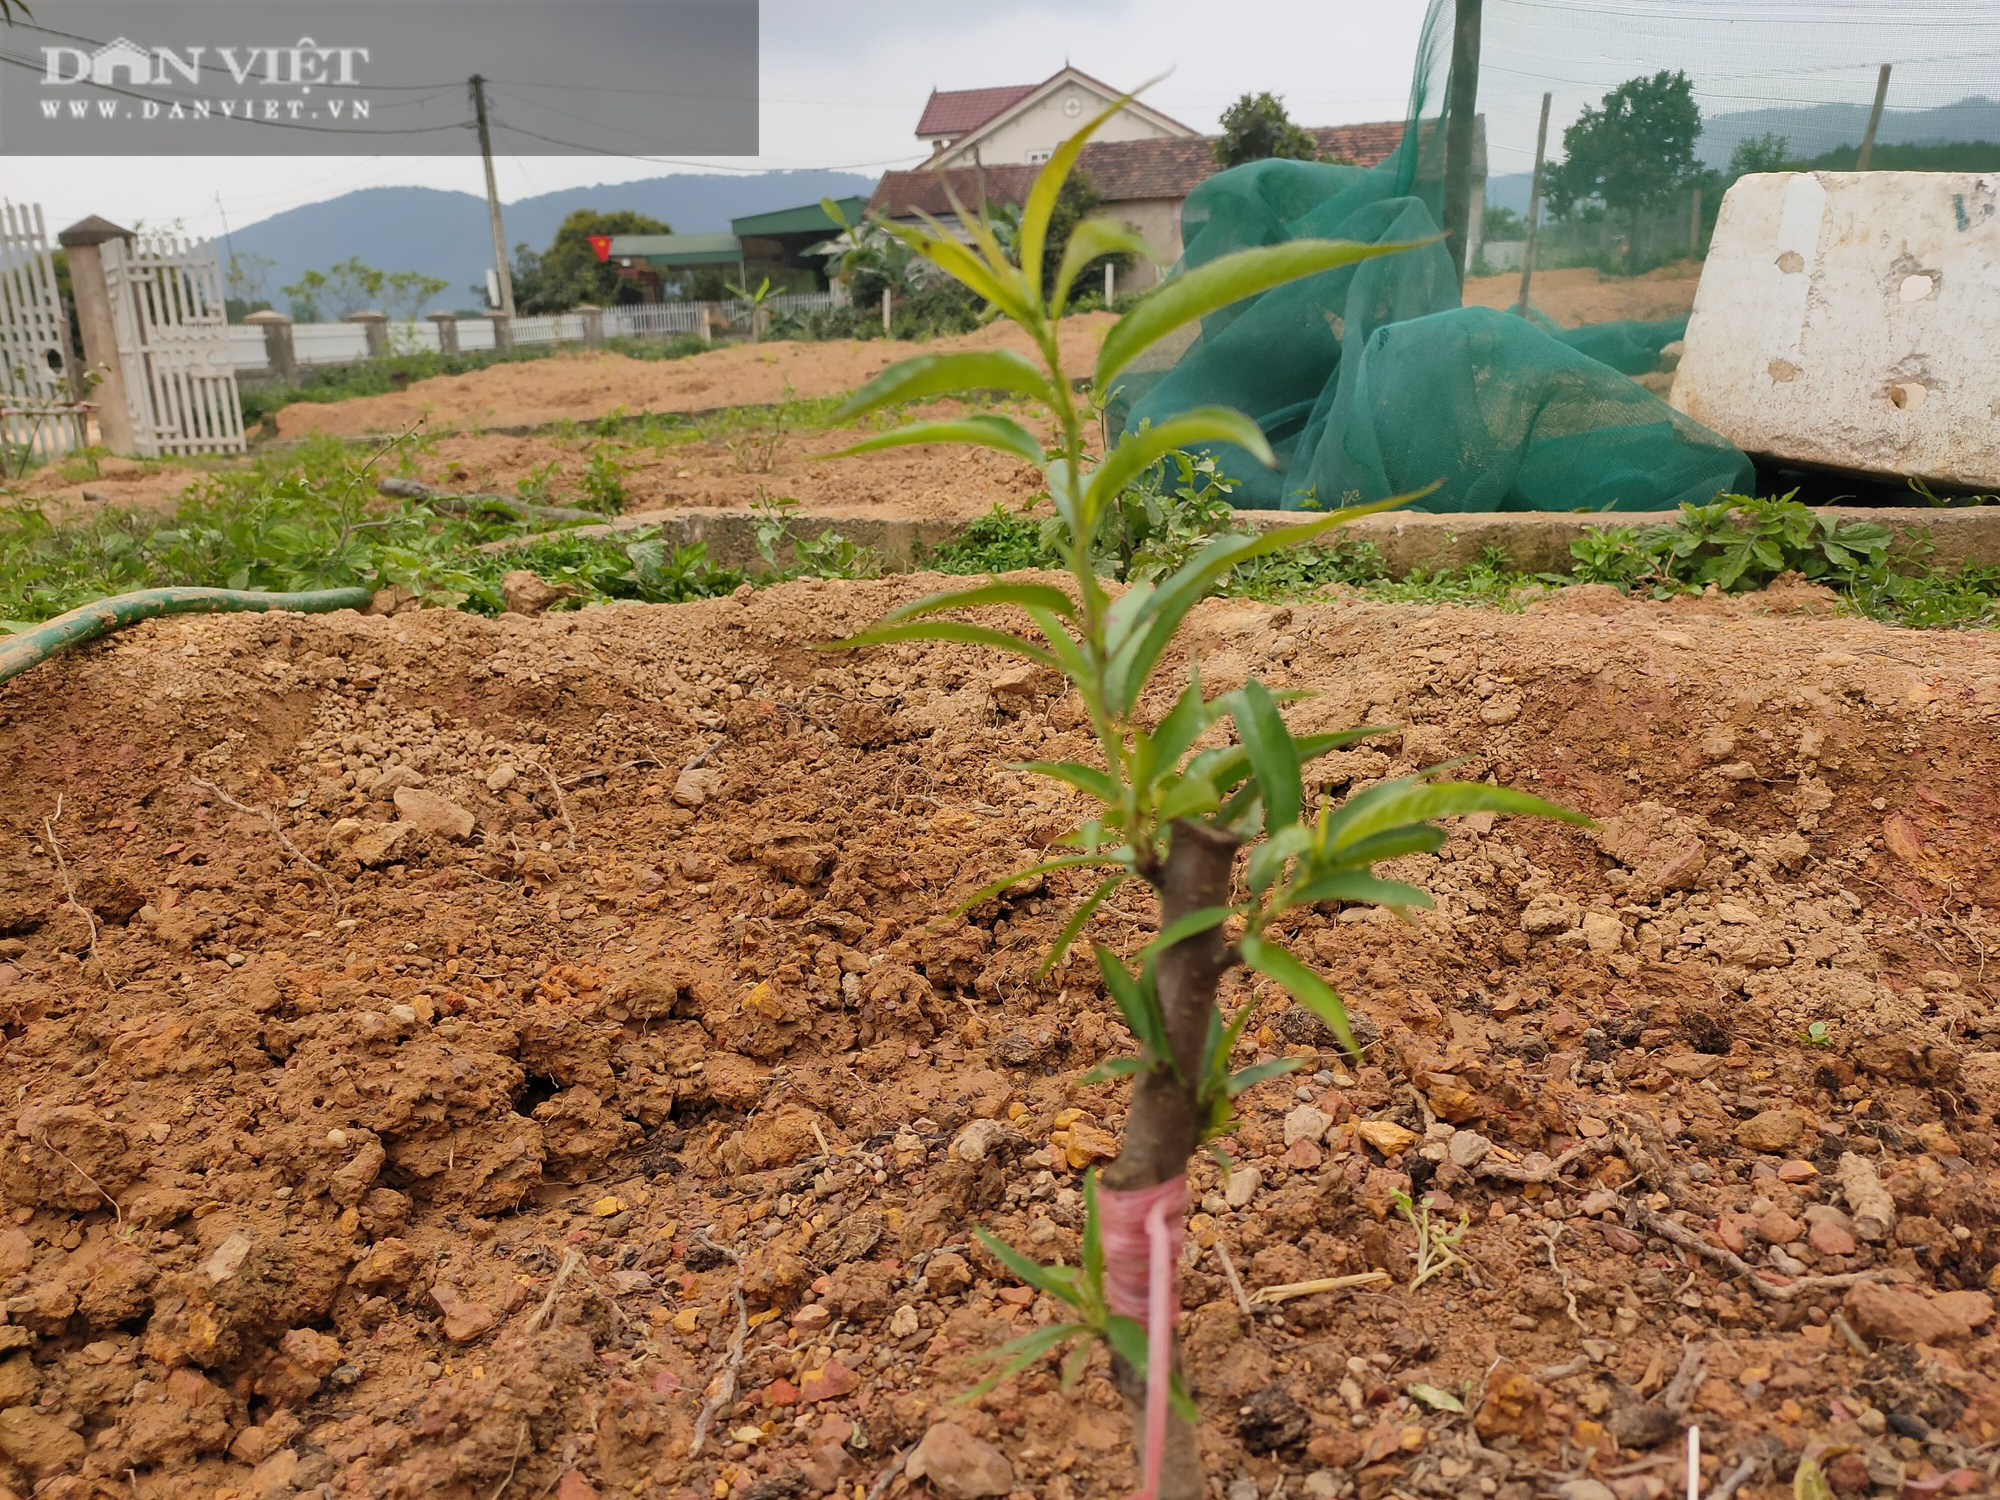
(594, 1048)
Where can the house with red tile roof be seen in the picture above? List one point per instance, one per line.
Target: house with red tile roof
(1021, 124)
(1144, 178)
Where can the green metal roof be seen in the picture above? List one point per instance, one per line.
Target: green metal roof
(678, 249)
(809, 219)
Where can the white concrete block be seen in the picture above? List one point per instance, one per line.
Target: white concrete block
(1852, 319)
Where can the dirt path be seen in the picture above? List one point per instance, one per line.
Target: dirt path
(508, 1049)
(583, 387)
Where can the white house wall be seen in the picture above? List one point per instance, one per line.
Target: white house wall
(1043, 126)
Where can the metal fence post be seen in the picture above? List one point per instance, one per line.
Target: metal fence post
(279, 354)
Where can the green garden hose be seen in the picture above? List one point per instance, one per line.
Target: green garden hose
(32, 647)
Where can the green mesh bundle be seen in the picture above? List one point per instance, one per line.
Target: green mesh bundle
(1373, 381)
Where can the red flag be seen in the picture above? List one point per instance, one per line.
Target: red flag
(601, 243)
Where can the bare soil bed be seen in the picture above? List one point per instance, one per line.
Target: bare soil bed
(1578, 295)
(436, 1168)
(583, 387)
(754, 464)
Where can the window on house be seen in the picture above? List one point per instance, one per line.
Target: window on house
(1036, 158)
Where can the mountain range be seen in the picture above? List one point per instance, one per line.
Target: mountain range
(445, 234)
(1810, 130)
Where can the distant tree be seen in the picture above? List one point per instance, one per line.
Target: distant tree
(1079, 199)
(569, 273)
(243, 283)
(352, 286)
(1256, 127)
(1761, 153)
(1632, 153)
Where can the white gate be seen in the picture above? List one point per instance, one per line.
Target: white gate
(173, 345)
(39, 417)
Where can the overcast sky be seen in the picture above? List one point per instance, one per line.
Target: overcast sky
(843, 84)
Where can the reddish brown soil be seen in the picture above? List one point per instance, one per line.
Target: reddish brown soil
(292, 1169)
(1579, 295)
(583, 387)
(744, 462)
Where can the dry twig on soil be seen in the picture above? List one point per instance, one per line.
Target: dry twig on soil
(888, 1476)
(1271, 1296)
(520, 1445)
(50, 1146)
(1569, 1297)
(69, 899)
(723, 1387)
(1235, 1281)
(571, 1261)
(562, 803)
(1644, 1218)
(271, 821)
(1546, 1171)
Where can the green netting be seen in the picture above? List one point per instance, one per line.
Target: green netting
(1375, 381)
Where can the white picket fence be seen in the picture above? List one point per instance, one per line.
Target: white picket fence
(344, 343)
(39, 417)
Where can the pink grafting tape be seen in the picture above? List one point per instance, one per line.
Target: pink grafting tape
(1142, 1247)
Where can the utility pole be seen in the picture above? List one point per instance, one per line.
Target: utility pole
(1534, 207)
(1874, 121)
(1461, 105)
(500, 267)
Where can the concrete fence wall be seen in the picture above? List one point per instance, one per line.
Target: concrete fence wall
(258, 343)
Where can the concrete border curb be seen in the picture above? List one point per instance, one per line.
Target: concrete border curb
(1533, 541)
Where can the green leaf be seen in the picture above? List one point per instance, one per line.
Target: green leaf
(1140, 450)
(1809, 1481)
(1256, 1073)
(1434, 1398)
(1410, 800)
(1273, 757)
(1192, 924)
(1393, 843)
(1001, 433)
(957, 260)
(1074, 1364)
(1093, 1235)
(1136, 1003)
(1184, 723)
(1036, 1275)
(1084, 778)
(1306, 987)
(1089, 240)
(1165, 606)
(943, 374)
(1187, 797)
(1076, 920)
(1033, 237)
(1027, 595)
(1017, 1354)
(1117, 1067)
(942, 630)
(1214, 286)
(1357, 885)
(987, 892)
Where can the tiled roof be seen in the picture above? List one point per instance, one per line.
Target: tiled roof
(1365, 145)
(899, 195)
(952, 112)
(1122, 170)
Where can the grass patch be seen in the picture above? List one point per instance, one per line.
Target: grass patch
(310, 518)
